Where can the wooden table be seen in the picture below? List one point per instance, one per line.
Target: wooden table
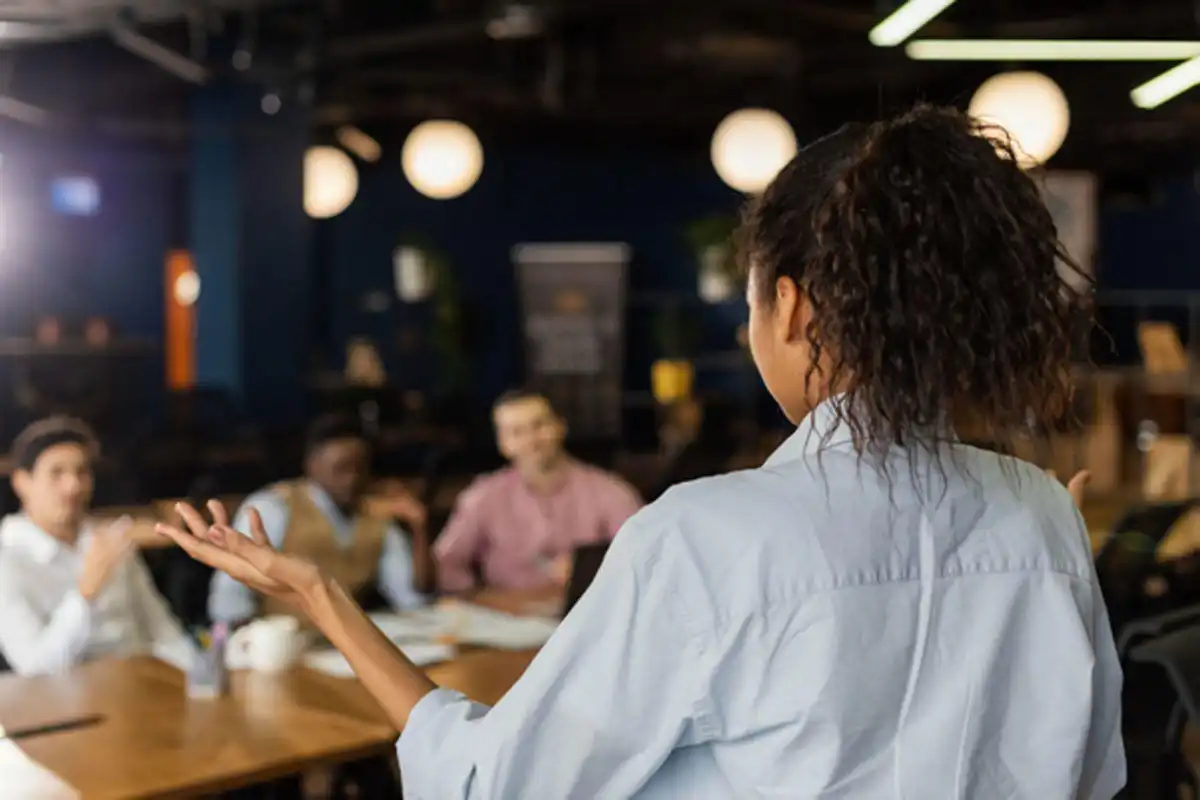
(156, 743)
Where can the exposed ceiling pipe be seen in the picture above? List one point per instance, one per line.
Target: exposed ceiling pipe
(21, 111)
(458, 31)
(178, 65)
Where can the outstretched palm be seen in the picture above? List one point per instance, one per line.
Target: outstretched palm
(246, 556)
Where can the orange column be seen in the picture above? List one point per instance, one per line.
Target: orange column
(180, 324)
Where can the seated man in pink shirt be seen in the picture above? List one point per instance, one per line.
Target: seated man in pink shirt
(518, 527)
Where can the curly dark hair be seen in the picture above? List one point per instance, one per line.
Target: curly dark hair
(938, 284)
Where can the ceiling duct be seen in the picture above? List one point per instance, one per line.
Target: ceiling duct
(124, 35)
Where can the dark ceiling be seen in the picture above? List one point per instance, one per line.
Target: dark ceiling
(588, 72)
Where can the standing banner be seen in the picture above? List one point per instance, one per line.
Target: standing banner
(1071, 198)
(573, 312)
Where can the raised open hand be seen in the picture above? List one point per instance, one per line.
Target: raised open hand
(247, 557)
(108, 547)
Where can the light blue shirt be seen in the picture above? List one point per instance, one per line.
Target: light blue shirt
(230, 601)
(800, 631)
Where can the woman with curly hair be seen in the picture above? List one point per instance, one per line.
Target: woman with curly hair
(878, 611)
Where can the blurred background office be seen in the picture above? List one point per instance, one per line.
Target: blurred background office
(222, 219)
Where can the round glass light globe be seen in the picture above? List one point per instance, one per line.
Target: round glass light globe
(442, 158)
(330, 182)
(1031, 107)
(750, 146)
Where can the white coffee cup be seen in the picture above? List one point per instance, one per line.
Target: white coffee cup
(269, 644)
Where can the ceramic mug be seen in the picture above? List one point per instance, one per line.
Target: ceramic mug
(269, 644)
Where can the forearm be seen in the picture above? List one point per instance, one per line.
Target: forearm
(394, 681)
(32, 649)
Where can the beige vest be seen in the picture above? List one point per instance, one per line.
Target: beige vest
(310, 535)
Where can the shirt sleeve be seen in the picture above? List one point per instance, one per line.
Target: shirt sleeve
(37, 644)
(614, 691)
(461, 544)
(229, 600)
(396, 572)
(167, 639)
(1103, 773)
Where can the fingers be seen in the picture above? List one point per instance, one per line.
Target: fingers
(199, 549)
(192, 518)
(257, 532)
(259, 554)
(220, 515)
(185, 540)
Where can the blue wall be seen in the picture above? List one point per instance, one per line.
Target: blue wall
(109, 264)
(1153, 241)
(642, 199)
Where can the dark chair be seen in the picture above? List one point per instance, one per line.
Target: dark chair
(1127, 560)
(698, 459)
(1177, 654)
(1141, 630)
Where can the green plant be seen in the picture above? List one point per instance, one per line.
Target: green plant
(714, 231)
(448, 337)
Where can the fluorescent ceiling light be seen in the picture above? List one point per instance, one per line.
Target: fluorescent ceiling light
(905, 21)
(1172, 83)
(1049, 50)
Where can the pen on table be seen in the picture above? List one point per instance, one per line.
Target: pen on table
(54, 727)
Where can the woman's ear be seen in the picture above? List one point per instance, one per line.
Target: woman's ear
(793, 309)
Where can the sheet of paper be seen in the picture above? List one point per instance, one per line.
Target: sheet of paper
(472, 624)
(22, 777)
(468, 624)
(421, 625)
(331, 662)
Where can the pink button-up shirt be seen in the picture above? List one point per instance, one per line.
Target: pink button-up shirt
(513, 533)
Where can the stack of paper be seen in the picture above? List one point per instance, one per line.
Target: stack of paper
(331, 662)
(472, 624)
(466, 623)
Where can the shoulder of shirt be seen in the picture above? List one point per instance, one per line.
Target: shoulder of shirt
(605, 479)
(762, 518)
(14, 549)
(14, 530)
(271, 496)
(487, 484)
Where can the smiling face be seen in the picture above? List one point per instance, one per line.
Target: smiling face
(529, 434)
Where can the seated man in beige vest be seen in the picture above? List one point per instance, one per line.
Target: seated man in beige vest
(322, 517)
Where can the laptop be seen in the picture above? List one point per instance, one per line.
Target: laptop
(585, 565)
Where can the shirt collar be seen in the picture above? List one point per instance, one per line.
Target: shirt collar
(571, 469)
(17, 530)
(324, 502)
(822, 429)
(825, 428)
